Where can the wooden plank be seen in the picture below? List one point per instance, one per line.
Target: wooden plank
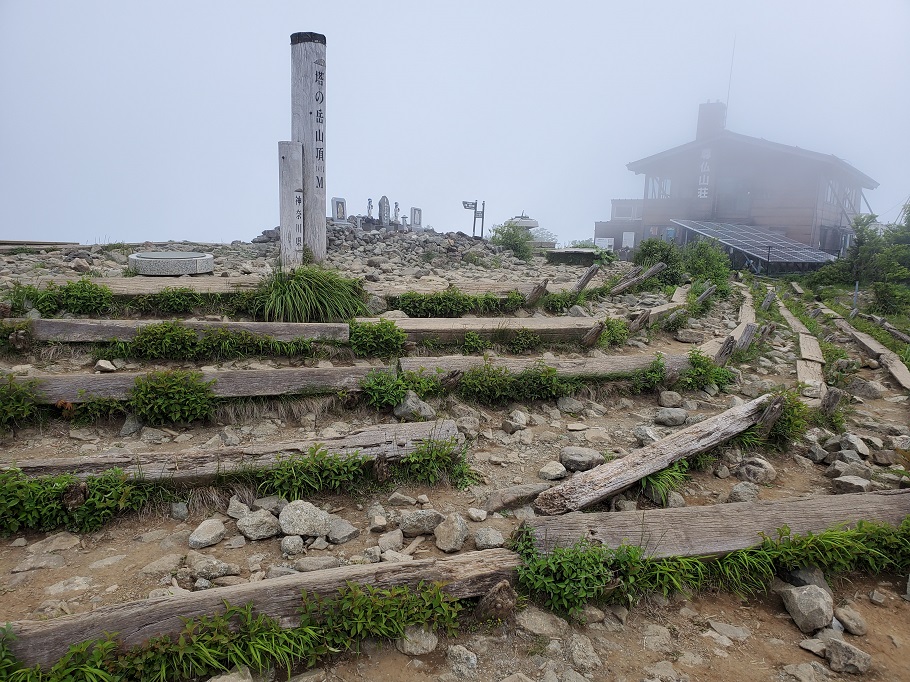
(660, 311)
(746, 312)
(77, 388)
(390, 441)
(809, 372)
(633, 281)
(898, 369)
(809, 349)
(791, 320)
(88, 331)
(720, 528)
(606, 367)
(592, 486)
(447, 329)
(141, 285)
(797, 289)
(680, 295)
(470, 574)
(585, 278)
(473, 288)
(888, 358)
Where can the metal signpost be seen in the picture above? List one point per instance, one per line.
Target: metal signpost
(472, 206)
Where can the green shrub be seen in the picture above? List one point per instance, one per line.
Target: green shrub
(383, 389)
(653, 251)
(164, 341)
(522, 341)
(513, 236)
(382, 339)
(170, 301)
(702, 372)
(890, 299)
(84, 297)
(487, 384)
(474, 343)
(423, 385)
(297, 477)
(172, 396)
(705, 260)
(560, 302)
(661, 483)
(650, 378)
(615, 333)
(454, 303)
(308, 294)
(18, 405)
(95, 409)
(674, 324)
(433, 461)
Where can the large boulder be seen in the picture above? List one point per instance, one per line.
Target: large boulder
(258, 525)
(302, 518)
(451, 533)
(413, 409)
(420, 522)
(866, 389)
(575, 458)
(810, 606)
(671, 416)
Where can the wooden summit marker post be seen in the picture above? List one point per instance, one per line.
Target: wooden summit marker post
(302, 160)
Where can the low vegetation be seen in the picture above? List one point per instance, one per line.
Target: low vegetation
(454, 303)
(512, 236)
(493, 385)
(308, 294)
(383, 339)
(173, 396)
(702, 372)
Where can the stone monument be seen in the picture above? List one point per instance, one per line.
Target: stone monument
(339, 210)
(384, 214)
(416, 218)
(171, 263)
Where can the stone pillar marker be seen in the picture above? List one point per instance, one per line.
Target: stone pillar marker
(302, 160)
(385, 215)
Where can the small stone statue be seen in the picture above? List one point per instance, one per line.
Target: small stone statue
(369, 208)
(396, 211)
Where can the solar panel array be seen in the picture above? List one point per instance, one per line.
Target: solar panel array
(755, 242)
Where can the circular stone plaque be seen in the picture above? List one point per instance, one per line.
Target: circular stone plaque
(171, 263)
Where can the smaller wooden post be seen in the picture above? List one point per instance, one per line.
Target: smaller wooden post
(291, 198)
(585, 278)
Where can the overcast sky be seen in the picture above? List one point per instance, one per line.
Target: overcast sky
(132, 121)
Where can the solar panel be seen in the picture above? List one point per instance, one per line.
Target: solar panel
(758, 244)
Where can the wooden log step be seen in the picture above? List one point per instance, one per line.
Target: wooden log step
(809, 349)
(744, 334)
(769, 299)
(888, 358)
(452, 330)
(720, 528)
(681, 294)
(797, 289)
(591, 368)
(637, 279)
(606, 480)
(658, 312)
(88, 331)
(470, 574)
(810, 373)
(888, 327)
(140, 286)
(196, 465)
(791, 320)
(706, 294)
(78, 388)
(500, 289)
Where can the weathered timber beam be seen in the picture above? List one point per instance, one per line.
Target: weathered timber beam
(536, 294)
(77, 388)
(389, 441)
(140, 286)
(628, 284)
(706, 294)
(797, 288)
(601, 482)
(87, 331)
(613, 366)
(585, 278)
(446, 329)
(719, 528)
(769, 299)
(809, 349)
(470, 574)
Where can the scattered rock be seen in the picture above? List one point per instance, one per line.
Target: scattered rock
(846, 658)
(420, 522)
(105, 366)
(417, 641)
(514, 496)
(209, 532)
(669, 399)
(657, 638)
(853, 622)
(291, 545)
(487, 538)
(576, 458)
(316, 563)
(743, 492)
(477, 515)
(237, 509)
(462, 660)
(130, 426)
(413, 409)
(671, 416)
(737, 634)
(258, 525)
(58, 542)
(451, 533)
(341, 531)
(810, 607)
(396, 557)
(180, 511)
(498, 604)
(866, 389)
(756, 470)
(393, 540)
(302, 518)
(35, 561)
(399, 499)
(542, 623)
(851, 484)
(570, 405)
(689, 336)
(582, 654)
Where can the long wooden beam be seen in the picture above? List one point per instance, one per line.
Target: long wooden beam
(719, 528)
(601, 482)
(470, 574)
(888, 358)
(88, 331)
(445, 329)
(390, 441)
(140, 286)
(606, 367)
(77, 388)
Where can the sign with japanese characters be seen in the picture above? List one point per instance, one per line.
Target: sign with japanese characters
(703, 191)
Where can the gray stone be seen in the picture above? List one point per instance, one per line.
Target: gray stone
(153, 436)
(211, 568)
(850, 441)
(130, 426)
(209, 532)
(462, 660)
(75, 583)
(488, 538)
(258, 525)
(577, 311)
(542, 623)
(420, 522)
(657, 638)
(171, 263)
(235, 542)
(737, 634)
(292, 544)
(552, 471)
(451, 533)
(815, 645)
(866, 389)
(801, 672)
(302, 518)
(743, 492)
(570, 405)
(105, 366)
(237, 509)
(393, 540)
(817, 453)
(877, 597)
(35, 561)
(239, 674)
(378, 524)
(675, 500)
(689, 336)
(810, 607)
(417, 641)
(396, 557)
(858, 469)
(575, 458)
(669, 399)
(756, 470)
(846, 456)
(413, 409)
(853, 622)
(809, 575)
(398, 498)
(582, 654)
(279, 571)
(180, 511)
(478, 515)
(372, 554)
(319, 544)
(341, 531)
(846, 658)
(272, 503)
(514, 496)
(202, 584)
(316, 563)
(851, 484)
(58, 542)
(645, 435)
(671, 416)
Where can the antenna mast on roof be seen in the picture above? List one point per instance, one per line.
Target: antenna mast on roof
(730, 80)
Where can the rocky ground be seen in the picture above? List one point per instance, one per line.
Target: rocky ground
(214, 538)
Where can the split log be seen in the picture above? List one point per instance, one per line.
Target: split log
(303, 381)
(640, 321)
(725, 351)
(471, 574)
(585, 278)
(536, 294)
(797, 288)
(890, 328)
(853, 313)
(628, 284)
(681, 294)
(831, 400)
(705, 295)
(589, 339)
(472, 288)
(791, 320)
(809, 349)
(608, 367)
(88, 331)
(452, 330)
(606, 480)
(769, 417)
(387, 441)
(769, 298)
(745, 339)
(720, 528)
(630, 275)
(765, 332)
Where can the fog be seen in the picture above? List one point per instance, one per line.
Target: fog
(133, 121)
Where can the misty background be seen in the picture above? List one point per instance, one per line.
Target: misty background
(134, 121)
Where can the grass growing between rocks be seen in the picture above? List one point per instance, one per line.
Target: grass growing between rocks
(568, 578)
(214, 644)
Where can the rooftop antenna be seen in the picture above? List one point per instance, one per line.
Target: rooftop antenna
(730, 80)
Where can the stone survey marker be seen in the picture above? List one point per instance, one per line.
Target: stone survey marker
(171, 263)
